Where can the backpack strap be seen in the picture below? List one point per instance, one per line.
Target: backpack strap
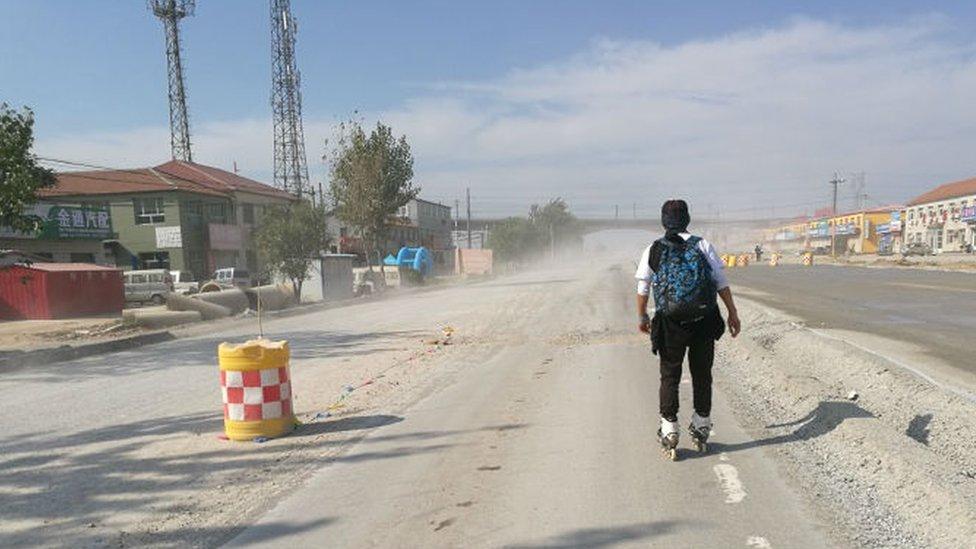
(654, 257)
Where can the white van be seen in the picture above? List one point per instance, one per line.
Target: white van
(147, 285)
(183, 282)
(232, 276)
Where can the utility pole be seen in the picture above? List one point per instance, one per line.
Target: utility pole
(467, 193)
(552, 243)
(170, 12)
(290, 167)
(635, 211)
(835, 182)
(616, 212)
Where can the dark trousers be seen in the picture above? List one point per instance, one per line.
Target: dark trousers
(701, 354)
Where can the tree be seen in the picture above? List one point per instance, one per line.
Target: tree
(288, 237)
(517, 238)
(372, 177)
(514, 238)
(555, 221)
(20, 176)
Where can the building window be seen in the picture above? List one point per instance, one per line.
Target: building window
(154, 260)
(247, 210)
(82, 258)
(217, 213)
(149, 211)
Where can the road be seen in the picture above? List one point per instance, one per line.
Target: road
(535, 428)
(932, 311)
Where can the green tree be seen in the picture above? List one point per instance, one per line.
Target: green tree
(520, 238)
(288, 237)
(514, 239)
(372, 177)
(554, 220)
(20, 176)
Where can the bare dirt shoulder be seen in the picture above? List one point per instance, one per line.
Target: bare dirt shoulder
(888, 457)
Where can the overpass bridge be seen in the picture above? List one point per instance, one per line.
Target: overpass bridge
(592, 225)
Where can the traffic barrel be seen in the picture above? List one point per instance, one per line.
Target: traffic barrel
(256, 387)
(807, 259)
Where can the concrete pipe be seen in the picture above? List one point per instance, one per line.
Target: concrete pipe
(209, 311)
(157, 318)
(274, 297)
(234, 299)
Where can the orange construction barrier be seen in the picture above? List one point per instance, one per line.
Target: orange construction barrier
(256, 387)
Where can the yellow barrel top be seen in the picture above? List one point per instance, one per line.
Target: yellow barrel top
(254, 354)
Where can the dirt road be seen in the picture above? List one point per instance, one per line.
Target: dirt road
(535, 427)
(544, 440)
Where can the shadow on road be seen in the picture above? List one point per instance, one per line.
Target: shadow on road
(353, 423)
(57, 485)
(821, 420)
(256, 534)
(195, 353)
(918, 428)
(601, 537)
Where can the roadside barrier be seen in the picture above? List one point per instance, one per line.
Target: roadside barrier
(807, 259)
(729, 260)
(774, 259)
(256, 388)
(742, 260)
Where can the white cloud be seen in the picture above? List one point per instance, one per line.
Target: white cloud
(752, 118)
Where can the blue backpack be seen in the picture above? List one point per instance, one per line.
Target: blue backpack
(683, 285)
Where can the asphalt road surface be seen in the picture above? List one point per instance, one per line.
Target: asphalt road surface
(935, 311)
(540, 432)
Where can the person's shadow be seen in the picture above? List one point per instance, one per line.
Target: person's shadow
(820, 421)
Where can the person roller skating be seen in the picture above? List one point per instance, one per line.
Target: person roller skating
(699, 429)
(685, 274)
(667, 435)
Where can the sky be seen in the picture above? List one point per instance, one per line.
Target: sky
(745, 109)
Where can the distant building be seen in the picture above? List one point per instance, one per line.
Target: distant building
(432, 221)
(944, 218)
(418, 223)
(850, 232)
(178, 215)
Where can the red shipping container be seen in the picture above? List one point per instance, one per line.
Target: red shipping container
(59, 290)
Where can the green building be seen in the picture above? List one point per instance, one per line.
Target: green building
(178, 215)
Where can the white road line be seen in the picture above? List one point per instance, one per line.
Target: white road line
(728, 477)
(758, 541)
(723, 457)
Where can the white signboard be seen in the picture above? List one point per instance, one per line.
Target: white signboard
(169, 237)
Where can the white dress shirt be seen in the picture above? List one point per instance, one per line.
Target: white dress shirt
(644, 273)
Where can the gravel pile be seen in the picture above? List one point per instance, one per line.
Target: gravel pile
(888, 459)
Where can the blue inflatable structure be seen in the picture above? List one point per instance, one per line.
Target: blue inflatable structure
(418, 259)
